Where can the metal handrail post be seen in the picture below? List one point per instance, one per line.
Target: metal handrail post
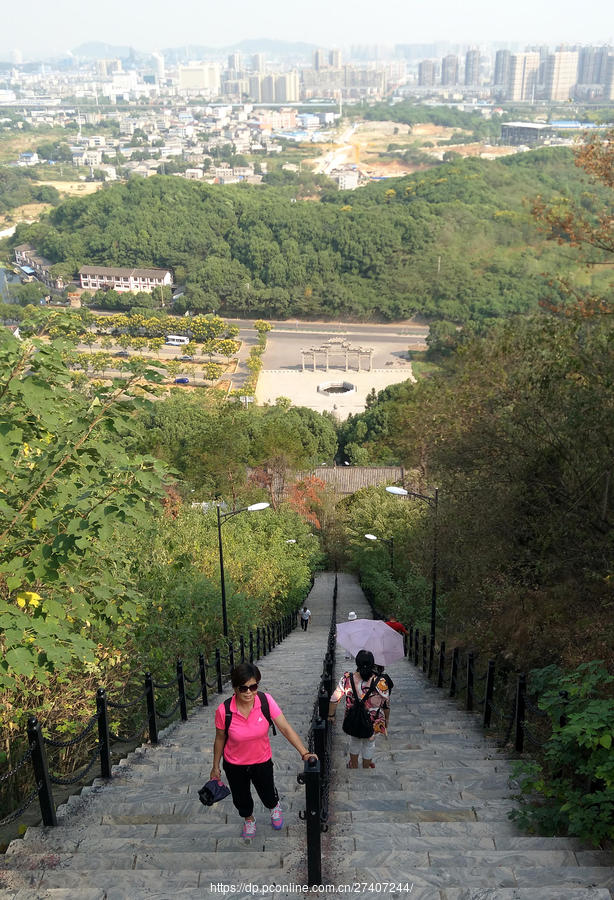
(470, 672)
(454, 674)
(183, 706)
(104, 743)
(310, 777)
(41, 771)
(152, 726)
(490, 685)
(203, 678)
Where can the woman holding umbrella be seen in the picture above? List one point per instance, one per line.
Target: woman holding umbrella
(365, 687)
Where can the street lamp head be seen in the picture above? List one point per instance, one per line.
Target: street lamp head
(397, 490)
(371, 537)
(256, 506)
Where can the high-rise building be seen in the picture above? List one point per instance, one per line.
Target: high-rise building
(502, 68)
(524, 68)
(426, 73)
(592, 65)
(561, 74)
(449, 69)
(234, 61)
(334, 58)
(158, 60)
(608, 91)
(255, 88)
(319, 59)
(267, 89)
(258, 63)
(286, 88)
(472, 67)
(203, 78)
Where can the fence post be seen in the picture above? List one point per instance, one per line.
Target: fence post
(257, 641)
(490, 685)
(454, 675)
(203, 678)
(416, 646)
(424, 653)
(521, 686)
(469, 700)
(183, 707)
(103, 733)
(231, 655)
(218, 670)
(242, 648)
(152, 726)
(41, 771)
(442, 664)
(272, 636)
(311, 779)
(251, 646)
(410, 641)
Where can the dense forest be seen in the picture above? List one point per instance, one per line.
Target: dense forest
(458, 242)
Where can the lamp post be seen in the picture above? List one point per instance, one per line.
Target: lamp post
(433, 503)
(389, 543)
(221, 518)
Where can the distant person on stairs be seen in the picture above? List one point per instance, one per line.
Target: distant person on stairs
(305, 617)
(351, 618)
(370, 690)
(242, 736)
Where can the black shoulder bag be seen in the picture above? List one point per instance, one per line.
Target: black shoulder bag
(357, 721)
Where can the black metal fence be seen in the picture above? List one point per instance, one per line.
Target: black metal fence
(206, 677)
(498, 695)
(316, 775)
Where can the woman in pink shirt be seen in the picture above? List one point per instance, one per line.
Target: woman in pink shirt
(247, 750)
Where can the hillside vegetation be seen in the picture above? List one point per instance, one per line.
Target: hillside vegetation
(458, 242)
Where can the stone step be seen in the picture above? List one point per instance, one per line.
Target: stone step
(60, 894)
(484, 879)
(148, 858)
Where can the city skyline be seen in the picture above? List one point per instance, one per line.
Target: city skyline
(53, 30)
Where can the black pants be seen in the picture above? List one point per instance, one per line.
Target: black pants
(241, 777)
(304, 624)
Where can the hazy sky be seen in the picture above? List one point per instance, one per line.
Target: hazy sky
(54, 26)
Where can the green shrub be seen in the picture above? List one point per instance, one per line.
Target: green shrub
(570, 789)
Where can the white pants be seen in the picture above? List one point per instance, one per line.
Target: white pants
(364, 747)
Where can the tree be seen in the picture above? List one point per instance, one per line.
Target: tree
(67, 485)
(587, 227)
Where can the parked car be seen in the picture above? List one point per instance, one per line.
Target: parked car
(186, 358)
(123, 353)
(182, 380)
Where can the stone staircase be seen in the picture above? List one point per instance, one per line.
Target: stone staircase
(432, 815)
(145, 834)
(431, 818)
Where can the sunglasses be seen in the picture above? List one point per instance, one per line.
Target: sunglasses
(244, 688)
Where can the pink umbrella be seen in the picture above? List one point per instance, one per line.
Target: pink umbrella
(384, 642)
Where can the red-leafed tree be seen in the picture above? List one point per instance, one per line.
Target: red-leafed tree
(306, 497)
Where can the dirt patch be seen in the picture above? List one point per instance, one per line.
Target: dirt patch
(30, 212)
(72, 188)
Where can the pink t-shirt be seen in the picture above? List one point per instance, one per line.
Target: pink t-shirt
(248, 738)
